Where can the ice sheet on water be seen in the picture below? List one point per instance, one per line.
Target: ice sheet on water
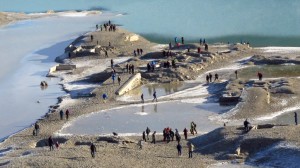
(159, 115)
(283, 50)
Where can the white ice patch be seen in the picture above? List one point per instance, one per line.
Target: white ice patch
(141, 113)
(278, 113)
(283, 50)
(194, 100)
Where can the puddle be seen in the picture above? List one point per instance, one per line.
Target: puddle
(161, 90)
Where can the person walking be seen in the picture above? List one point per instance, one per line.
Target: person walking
(236, 72)
(216, 77)
(153, 137)
(296, 118)
(210, 77)
(67, 114)
(142, 98)
(148, 132)
(104, 96)
(191, 149)
(207, 78)
(179, 148)
(119, 80)
(185, 131)
(260, 76)
(112, 63)
(182, 40)
(50, 143)
(61, 113)
(154, 96)
(36, 129)
(93, 150)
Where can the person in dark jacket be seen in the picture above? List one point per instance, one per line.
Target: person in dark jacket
(179, 148)
(93, 150)
(153, 137)
(67, 114)
(61, 113)
(185, 131)
(36, 129)
(148, 132)
(172, 134)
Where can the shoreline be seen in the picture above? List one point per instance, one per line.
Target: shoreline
(58, 124)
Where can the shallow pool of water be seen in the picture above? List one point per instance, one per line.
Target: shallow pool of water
(135, 118)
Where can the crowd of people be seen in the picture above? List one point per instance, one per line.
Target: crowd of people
(107, 26)
(168, 136)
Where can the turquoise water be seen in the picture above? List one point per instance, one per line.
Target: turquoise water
(262, 23)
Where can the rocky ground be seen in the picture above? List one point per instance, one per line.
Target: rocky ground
(31, 151)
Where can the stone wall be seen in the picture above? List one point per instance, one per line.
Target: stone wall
(130, 84)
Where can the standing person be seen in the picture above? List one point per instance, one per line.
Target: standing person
(236, 74)
(119, 80)
(106, 54)
(92, 37)
(148, 132)
(172, 134)
(210, 77)
(141, 50)
(37, 129)
(185, 131)
(127, 67)
(205, 47)
(259, 76)
(216, 77)
(175, 39)
(61, 113)
(204, 42)
(96, 26)
(112, 63)
(179, 148)
(200, 41)
(170, 45)
(207, 78)
(132, 69)
(144, 136)
(296, 118)
(50, 143)
(113, 76)
(194, 126)
(246, 125)
(67, 114)
(142, 98)
(154, 96)
(199, 50)
(101, 27)
(93, 150)
(191, 149)
(153, 137)
(182, 40)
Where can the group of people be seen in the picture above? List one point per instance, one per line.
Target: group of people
(61, 114)
(51, 143)
(138, 51)
(130, 68)
(107, 26)
(209, 77)
(167, 53)
(168, 135)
